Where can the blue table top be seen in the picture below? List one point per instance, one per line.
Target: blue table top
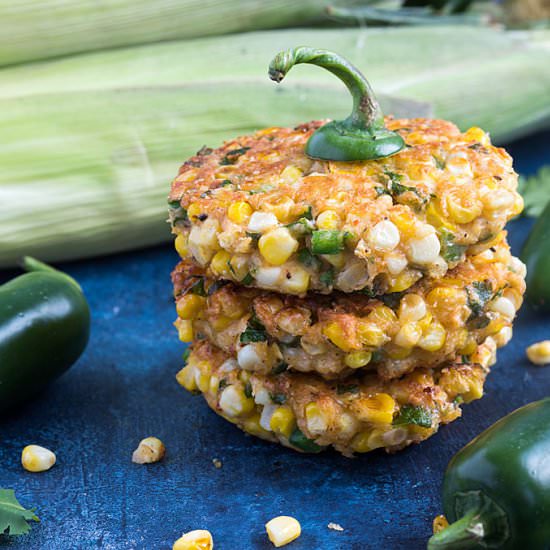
(123, 389)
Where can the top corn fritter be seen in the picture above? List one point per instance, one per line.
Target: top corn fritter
(260, 212)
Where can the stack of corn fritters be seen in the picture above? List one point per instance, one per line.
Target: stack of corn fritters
(356, 305)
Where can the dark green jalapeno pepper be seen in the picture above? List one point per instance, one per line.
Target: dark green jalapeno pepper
(536, 255)
(44, 328)
(361, 136)
(496, 490)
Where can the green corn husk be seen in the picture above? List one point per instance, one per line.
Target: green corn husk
(31, 30)
(90, 144)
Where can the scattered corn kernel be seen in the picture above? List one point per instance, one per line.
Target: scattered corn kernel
(433, 338)
(334, 332)
(189, 306)
(185, 330)
(234, 402)
(37, 459)
(384, 236)
(181, 245)
(328, 219)
(371, 335)
(296, 281)
(149, 450)
(194, 211)
(539, 353)
(283, 421)
(378, 409)
(404, 280)
(220, 262)
(408, 336)
(357, 359)
(283, 530)
(277, 246)
(200, 539)
(239, 212)
(316, 421)
(186, 378)
(412, 308)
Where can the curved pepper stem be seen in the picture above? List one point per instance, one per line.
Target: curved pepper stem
(30, 264)
(463, 534)
(361, 136)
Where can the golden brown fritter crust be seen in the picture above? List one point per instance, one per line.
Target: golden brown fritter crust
(446, 184)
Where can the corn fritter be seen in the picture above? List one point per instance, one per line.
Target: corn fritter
(261, 213)
(426, 325)
(355, 415)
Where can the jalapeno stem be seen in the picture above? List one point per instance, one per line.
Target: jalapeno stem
(465, 533)
(362, 135)
(31, 264)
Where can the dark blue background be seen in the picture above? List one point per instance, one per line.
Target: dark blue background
(124, 389)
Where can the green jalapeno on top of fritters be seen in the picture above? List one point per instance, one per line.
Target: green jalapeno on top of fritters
(430, 323)
(358, 414)
(260, 212)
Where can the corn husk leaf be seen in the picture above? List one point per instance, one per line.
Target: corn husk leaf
(31, 31)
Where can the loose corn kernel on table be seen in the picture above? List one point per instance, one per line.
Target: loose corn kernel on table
(124, 389)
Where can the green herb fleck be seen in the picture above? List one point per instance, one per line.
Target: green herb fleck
(308, 214)
(327, 278)
(347, 388)
(278, 398)
(279, 368)
(216, 285)
(392, 300)
(198, 287)
(308, 259)
(439, 162)
(300, 441)
(248, 279)
(225, 183)
(409, 414)
(248, 390)
(479, 294)
(186, 354)
(450, 251)
(223, 384)
(254, 236)
(231, 157)
(254, 332)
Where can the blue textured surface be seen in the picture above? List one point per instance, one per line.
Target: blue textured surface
(123, 389)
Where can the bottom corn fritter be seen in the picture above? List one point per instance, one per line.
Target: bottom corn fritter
(425, 326)
(354, 415)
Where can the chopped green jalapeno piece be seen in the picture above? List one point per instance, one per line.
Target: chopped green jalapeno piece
(450, 251)
(409, 414)
(308, 259)
(327, 241)
(254, 332)
(198, 287)
(300, 441)
(361, 136)
(248, 279)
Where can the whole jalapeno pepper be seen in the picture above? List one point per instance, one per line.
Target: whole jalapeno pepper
(496, 490)
(536, 255)
(44, 328)
(361, 136)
